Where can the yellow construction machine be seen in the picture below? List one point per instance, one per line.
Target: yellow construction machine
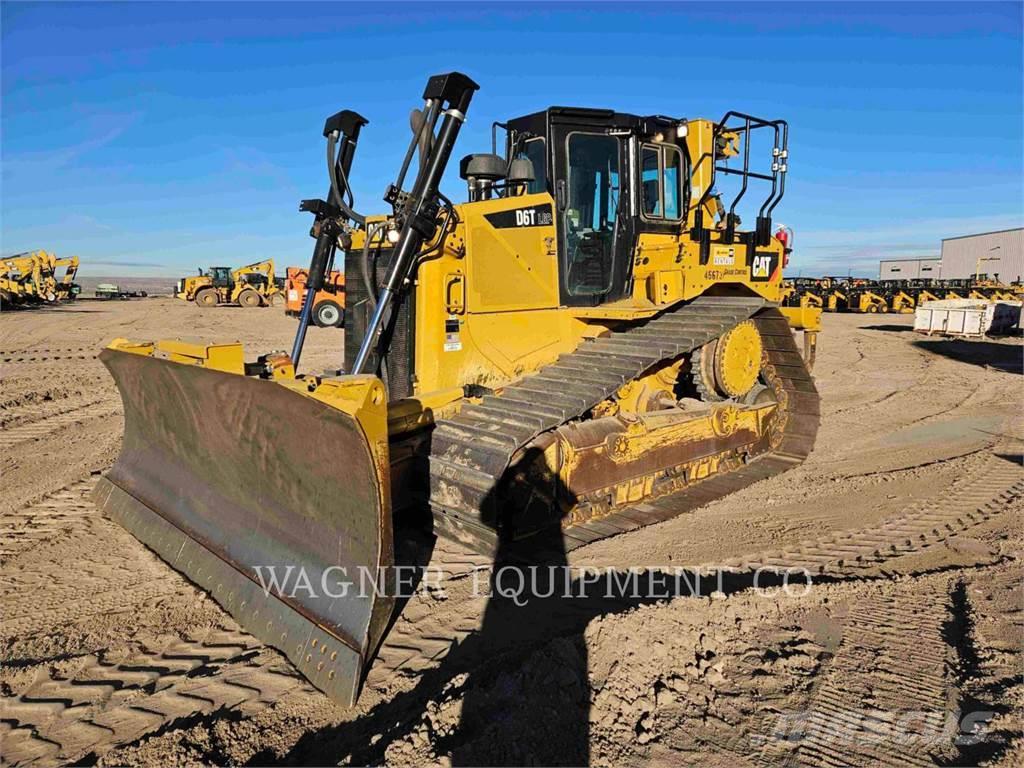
(66, 287)
(21, 279)
(863, 300)
(253, 285)
(587, 345)
(835, 300)
(994, 290)
(901, 302)
(31, 278)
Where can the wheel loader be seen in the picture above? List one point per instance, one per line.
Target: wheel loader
(253, 285)
(588, 344)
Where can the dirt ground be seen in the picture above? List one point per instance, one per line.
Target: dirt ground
(905, 649)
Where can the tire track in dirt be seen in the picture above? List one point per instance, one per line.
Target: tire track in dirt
(919, 526)
(56, 515)
(102, 703)
(49, 354)
(56, 578)
(885, 696)
(431, 624)
(59, 418)
(428, 629)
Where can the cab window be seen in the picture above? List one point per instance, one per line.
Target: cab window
(661, 181)
(589, 222)
(535, 150)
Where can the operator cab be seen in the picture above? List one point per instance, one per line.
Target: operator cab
(221, 276)
(612, 176)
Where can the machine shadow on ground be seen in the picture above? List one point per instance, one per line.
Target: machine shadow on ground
(538, 713)
(1008, 358)
(891, 328)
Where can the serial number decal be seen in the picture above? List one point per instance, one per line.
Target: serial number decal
(721, 274)
(532, 216)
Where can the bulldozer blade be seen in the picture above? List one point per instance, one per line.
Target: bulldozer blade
(272, 501)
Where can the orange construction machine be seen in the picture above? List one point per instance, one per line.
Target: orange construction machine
(328, 304)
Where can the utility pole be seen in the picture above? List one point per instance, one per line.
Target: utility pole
(977, 265)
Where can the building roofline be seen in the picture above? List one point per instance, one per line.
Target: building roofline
(979, 234)
(920, 258)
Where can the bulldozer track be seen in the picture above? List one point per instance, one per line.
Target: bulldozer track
(55, 515)
(59, 419)
(471, 451)
(886, 694)
(103, 703)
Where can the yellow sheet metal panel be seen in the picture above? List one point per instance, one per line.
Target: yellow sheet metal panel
(665, 286)
(806, 318)
(511, 260)
(229, 358)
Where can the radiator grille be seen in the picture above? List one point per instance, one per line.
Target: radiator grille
(400, 359)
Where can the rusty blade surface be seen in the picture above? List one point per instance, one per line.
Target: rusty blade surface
(240, 483)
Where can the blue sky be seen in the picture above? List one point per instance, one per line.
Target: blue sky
(154, 138)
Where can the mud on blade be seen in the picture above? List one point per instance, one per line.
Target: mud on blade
(268, 498)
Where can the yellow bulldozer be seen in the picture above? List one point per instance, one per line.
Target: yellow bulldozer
(588, 344)
(253, 285)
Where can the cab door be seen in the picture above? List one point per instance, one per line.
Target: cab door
(592, 203)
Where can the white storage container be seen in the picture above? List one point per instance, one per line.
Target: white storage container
(972, 318)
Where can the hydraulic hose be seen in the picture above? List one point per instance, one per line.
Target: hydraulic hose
(371, 289)
(333, 171)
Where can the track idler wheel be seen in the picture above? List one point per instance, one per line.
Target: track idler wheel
(728, 367)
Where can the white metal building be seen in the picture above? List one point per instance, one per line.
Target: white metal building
(990, 253)
(910, 269)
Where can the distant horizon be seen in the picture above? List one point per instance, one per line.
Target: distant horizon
(154, 138)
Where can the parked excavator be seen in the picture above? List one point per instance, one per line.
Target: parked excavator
(21, 279)
(253, 285)
(31, 278)
(66, 287)
(587, 345)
